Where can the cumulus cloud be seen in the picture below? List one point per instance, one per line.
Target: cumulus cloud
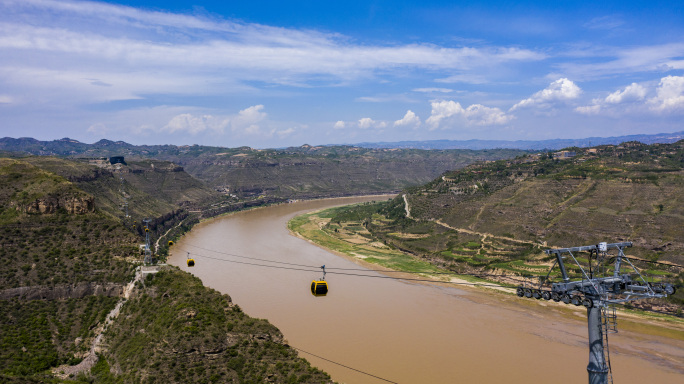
(669, 95)
(367, 122)
(248, 118)
(444, 113)
(245, 121)
(630, 93)
(410, 119)
(560, 90)
(339, 125)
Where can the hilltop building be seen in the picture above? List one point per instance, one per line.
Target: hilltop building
(564, 155)
(117, 160)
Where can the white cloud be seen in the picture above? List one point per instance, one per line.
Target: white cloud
(442, 110)
(560, 90)
(103, 39)
(253, 130)
(247, 120)
(670, 94)
(285, 132)
(630, 100)
(630, 93)
(339, 125)
(385, 99)
(410, 119)
(589, 109)
(447, 113)
(468, 79)
(186, 122)
(617, 61)
(433, 90)
(367, 122)
(370, 99)
(5, 99)
(605, 22)
(480, 115)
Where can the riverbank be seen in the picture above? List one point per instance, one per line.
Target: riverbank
(352, 242)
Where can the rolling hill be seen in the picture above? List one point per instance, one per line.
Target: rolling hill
(498, 217)
(70, 262)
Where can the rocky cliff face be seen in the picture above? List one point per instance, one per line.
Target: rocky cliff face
(63, 291)
(75, 205)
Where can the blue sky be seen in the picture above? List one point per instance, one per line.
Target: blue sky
(281, 73)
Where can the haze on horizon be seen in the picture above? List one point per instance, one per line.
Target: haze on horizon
(276, 73)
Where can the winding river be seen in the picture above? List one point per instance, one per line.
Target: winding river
(400, 331)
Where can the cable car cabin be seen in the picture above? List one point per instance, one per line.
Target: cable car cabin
(191, 262)
(170, 243)
(319, 288)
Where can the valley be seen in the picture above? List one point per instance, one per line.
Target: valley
(72, 224)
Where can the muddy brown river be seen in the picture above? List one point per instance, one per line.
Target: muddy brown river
(400, 331)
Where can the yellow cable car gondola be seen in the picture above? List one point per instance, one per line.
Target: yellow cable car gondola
(170, 243)
(320, 287)
(191, 262)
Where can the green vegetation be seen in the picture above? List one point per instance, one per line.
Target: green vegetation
(67, 253)
(498, 217)
(63, 249)
(37, 335)
(329, 229)
(176, 330)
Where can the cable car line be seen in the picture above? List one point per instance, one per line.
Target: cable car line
(252, 258)
(651, 261)
(310, 268)
(329, 269)
(255, 264)
(345, 366)
(354, 274)
(514, 277)
(333, 268)
(419, 280)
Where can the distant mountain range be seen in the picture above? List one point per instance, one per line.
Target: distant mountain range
(71, 147)
(534, 145)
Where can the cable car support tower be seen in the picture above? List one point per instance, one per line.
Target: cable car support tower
(599, 290)
(148, 251)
